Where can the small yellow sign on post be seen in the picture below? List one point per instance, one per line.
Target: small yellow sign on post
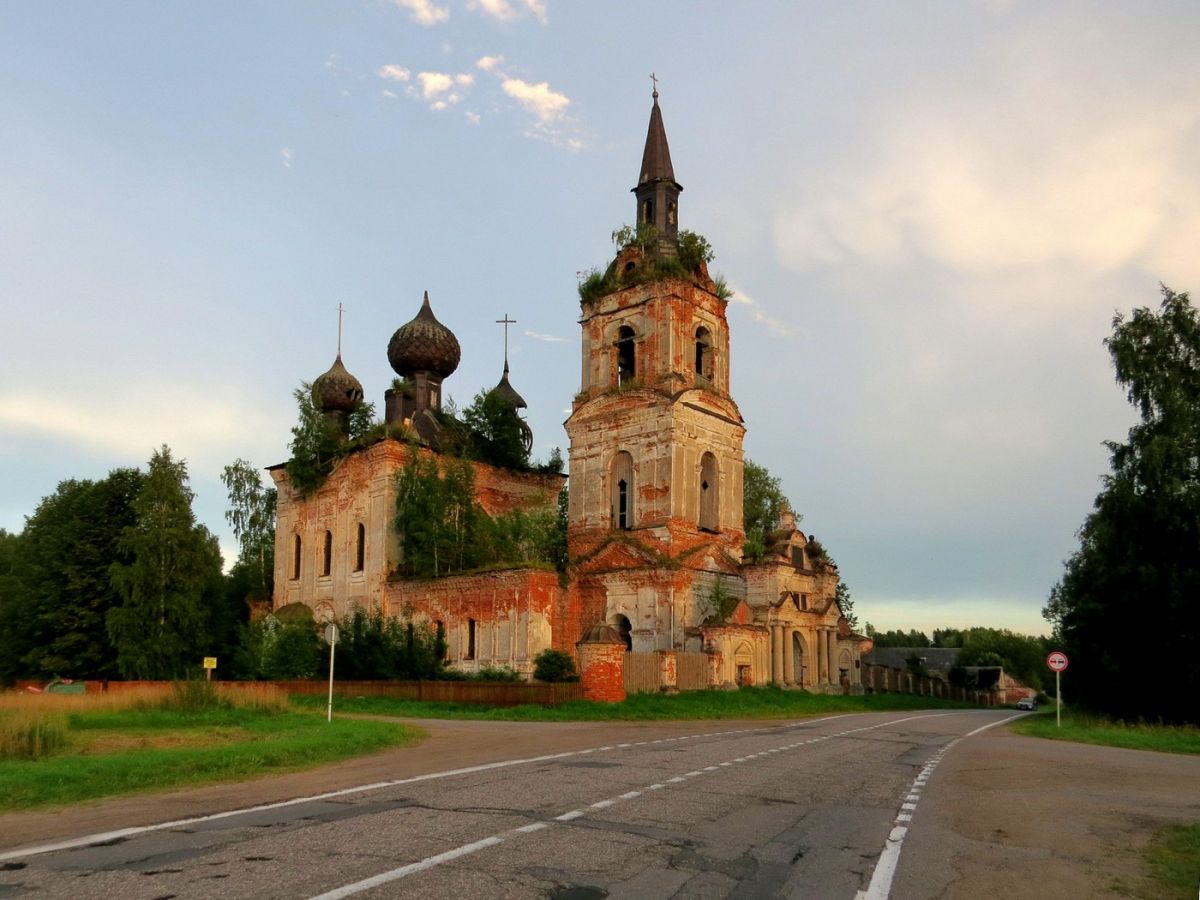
(210, 663)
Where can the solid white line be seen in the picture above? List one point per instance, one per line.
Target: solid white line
(880, 887)
(427, 863)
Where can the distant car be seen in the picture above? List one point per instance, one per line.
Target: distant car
(1027, 703)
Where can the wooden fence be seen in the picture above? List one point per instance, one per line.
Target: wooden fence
(643, 672)
(491, 693)
(691, 671)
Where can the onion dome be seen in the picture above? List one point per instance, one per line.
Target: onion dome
(506, 392)
(424, 345)
(337, 390)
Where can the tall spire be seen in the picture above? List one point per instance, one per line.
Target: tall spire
(657, 191)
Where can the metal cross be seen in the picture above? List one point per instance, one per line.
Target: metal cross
(506, 321)
(654, 78)
(341, 310)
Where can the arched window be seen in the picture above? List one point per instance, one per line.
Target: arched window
(624, 629)
(626, 354)
(704, 353)
(622, 490)
(647, 210)
(710, 519)
(670, 212)
(327, 554)
(296, 556)
(360, 553)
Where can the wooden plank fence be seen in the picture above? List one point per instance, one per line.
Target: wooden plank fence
(691, 671)
(642, 672)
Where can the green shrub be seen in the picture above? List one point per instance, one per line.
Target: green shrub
(490, 673)
(554, 665)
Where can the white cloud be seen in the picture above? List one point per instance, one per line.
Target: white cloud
(548, 338)
(464, 78)
(472, 117)
(134, 422)
(1026, 171)
(391, 95)
(437, 105)
(434, 83)
(424, 12)
(504, 11)
(538, 8)
(547, 105)
(285, 156)
(488, 63)
(774, 325)
(393, 72)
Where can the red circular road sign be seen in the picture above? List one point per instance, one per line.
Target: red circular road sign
(1057, 661)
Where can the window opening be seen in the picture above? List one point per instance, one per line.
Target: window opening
(622, 491)
(647, 211)
(624, 630)
(626, 355)
(296, 557)
(703, 360)
(327, 555)
(470, 639)
(360, 552)
(709, 493)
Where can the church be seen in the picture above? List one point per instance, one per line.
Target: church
(654, 514)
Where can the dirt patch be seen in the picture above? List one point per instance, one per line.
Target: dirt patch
(1010, 816)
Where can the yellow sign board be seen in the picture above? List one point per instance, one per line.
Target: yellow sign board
(210, 662)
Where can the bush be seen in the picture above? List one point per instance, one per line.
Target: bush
(554, 666)
(488, 673)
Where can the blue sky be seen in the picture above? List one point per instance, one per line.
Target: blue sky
(930, 213)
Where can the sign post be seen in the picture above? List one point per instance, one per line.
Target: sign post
(210, 663)
(331, 638)
(1058, 662)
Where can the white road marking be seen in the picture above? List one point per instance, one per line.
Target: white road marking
(385, 877)
(880, 886)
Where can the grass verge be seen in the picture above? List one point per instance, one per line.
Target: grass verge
(1086, 729)
(1173, 858)
(124, 749)
(747, 703)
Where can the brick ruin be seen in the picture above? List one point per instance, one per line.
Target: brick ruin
(655, 531)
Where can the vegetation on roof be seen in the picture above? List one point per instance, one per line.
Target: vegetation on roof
(689, 263)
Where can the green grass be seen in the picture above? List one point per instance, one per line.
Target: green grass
(1087, 729)
(747, 703)
(159, 749)
(1174, 860)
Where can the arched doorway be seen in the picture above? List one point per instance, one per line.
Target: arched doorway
(624, 629)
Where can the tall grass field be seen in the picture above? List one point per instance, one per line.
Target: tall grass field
(59, 749)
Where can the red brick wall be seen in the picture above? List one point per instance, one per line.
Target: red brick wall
(602, 672)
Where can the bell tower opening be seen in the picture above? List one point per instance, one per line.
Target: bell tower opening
(622, 491)
(626, 355)
(710, 519)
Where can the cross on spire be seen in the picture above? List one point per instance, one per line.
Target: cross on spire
(654, 80)
(506, 321)
(341, 309)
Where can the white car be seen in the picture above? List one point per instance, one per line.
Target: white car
(1027, 703)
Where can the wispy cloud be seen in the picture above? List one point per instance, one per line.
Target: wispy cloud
(424, 12)
(505, 11)
(393, 72)
(774, 325)
(548, 338)
(546, 104)
(488, 63)
(285, 157)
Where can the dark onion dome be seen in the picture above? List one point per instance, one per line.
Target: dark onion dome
(506, 392)
(424, 345)
(337, 390)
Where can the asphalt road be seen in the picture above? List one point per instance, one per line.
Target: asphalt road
(818, 808)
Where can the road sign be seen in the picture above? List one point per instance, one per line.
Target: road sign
(1057, 661)
(210, 662)
(331, 634)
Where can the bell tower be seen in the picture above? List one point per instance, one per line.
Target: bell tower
(655, 437)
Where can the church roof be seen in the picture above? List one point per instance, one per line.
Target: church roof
(656, 158)
(424, 345)
(505, 391)
(337, 389)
